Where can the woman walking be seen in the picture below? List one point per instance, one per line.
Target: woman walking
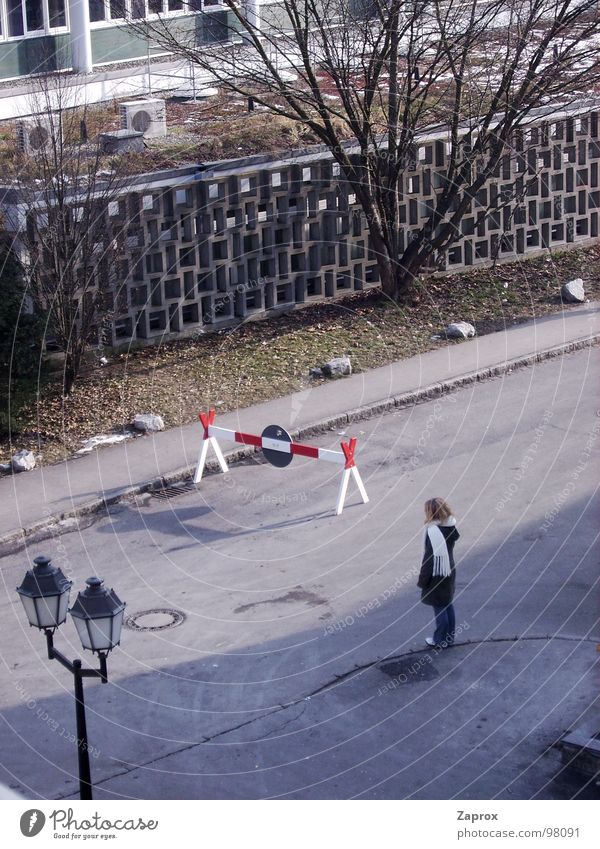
(438, 574)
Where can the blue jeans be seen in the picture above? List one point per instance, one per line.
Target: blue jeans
(445, 622)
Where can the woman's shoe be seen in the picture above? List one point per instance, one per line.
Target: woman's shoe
(430, 641)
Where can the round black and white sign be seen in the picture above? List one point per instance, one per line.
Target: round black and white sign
(275, 456)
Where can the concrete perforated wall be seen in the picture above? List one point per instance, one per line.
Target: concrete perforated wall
(207, 246)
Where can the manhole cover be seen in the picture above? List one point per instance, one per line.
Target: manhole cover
(155, 620)
(174, 490)
(410, 670)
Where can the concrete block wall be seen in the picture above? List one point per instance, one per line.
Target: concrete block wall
(208, 246)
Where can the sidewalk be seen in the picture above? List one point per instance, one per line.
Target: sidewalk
(33, 500)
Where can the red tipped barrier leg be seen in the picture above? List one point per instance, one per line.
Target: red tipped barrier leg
(349, 469)
(208, 442)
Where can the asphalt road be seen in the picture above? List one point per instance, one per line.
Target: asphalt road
(299, 668)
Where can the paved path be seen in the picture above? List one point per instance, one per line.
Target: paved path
(46, 493)
(300, 669)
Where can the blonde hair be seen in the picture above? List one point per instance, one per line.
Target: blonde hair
(437, 510)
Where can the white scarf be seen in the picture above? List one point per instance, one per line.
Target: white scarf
(441, 558)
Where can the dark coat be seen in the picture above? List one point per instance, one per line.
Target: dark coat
(438, 591)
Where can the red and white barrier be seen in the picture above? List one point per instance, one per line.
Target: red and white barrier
(344, 458)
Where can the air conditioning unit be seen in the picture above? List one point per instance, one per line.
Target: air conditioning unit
(34, 134)
(145, 116)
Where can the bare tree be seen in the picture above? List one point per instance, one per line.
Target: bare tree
(366, 76)
(62, 191)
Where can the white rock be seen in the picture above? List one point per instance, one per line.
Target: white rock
(460, 330)
(337, 367)
(148, 422)
(573, 291)
(23, 461)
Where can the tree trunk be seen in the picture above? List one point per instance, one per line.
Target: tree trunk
(72, 362)
(385, 264)
(414, 258)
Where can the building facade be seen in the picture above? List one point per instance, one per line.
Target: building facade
(51, 35)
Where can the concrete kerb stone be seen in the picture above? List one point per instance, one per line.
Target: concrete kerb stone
(51, 525)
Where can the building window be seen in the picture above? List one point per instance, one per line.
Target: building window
(97, 10)
(117, 9)
(27, 16)
(34, 15)
(15, 18)
(56, 10)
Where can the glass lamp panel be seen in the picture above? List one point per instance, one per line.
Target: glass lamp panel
(116, 628)
(48, 611)
(30, 609)
(63, 608)
(100, 633)
(82, 630)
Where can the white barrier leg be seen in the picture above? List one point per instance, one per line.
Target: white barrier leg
(342, 492)
(344, 488)
(203, 454)
(360, 484)
(201, 460)
(219, 453)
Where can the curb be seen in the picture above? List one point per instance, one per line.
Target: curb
(56, 525)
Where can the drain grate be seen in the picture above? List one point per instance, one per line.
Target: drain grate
(156, 619)
(174, 490)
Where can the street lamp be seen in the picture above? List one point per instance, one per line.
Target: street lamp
(98, 617)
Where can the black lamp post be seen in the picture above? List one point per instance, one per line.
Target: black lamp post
(98, 617)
